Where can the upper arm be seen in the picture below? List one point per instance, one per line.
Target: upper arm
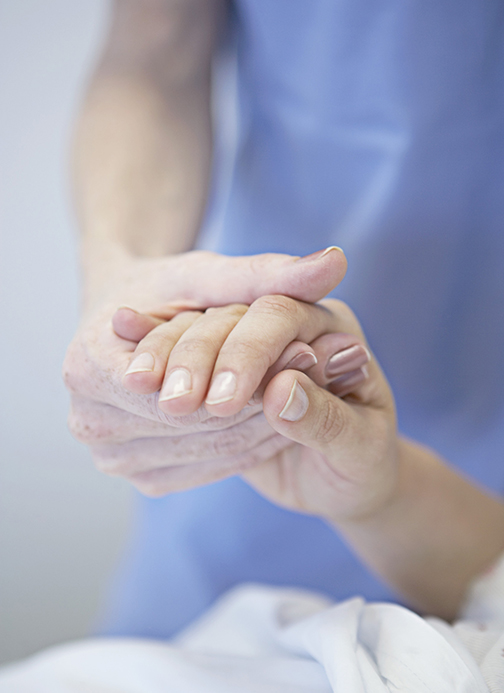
(170, 40)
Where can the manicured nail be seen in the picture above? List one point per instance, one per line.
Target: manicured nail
(177, 384)
(143, 363)
(319, 254)
(347, 360)
(297, 404)
(346, 383)
(222, 389)
(303, 361)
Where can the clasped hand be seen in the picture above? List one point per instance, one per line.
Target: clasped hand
(280, 391)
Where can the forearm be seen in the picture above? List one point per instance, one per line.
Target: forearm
(143, 143)
(438, 534)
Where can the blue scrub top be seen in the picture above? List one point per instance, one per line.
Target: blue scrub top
(376, 125)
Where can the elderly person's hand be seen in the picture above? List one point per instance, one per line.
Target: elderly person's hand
(413, 519)
(343, 463)
(130, 433)
(342, 458)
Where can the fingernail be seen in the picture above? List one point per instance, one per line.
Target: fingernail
(319, 254)
(347, 360)
(346, 383)
(301, 362)
(177, 384)
(143, 363)
(297, 404)
(222, 389)
(123, 307)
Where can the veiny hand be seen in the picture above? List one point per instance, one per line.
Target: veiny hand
(246, 342)
(129, 433)
(221, 357)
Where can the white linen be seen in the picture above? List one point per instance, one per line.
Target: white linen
(268, 640)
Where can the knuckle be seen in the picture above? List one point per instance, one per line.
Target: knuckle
(248, 351)
(88, 429)
(276, 305)
(165, 335)
(201, 344)
(71, 373)
(330, 423)
(83, 368)
(258, 263)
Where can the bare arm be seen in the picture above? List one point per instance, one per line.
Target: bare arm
(142, 166)
(411, 517)
(438, 533)
(143, 141)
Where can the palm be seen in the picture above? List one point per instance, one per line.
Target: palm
(305, 480)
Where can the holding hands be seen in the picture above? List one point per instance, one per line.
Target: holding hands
(299, 360)
(178, 398)
(283, 392)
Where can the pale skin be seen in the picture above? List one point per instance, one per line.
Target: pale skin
(142, 166)
(399, 504)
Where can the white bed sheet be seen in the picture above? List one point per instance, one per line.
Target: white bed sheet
(260, 639)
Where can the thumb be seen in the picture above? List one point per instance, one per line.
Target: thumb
(201, 279)
(302, 411)
(223, 279)
(297, 408)
(346, 464)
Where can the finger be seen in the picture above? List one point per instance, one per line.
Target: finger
(257, 341)
(352, 448)
(146, 455)
(345, 363)
(223, 279)
(131, 325)
(94, 423)
(94, 366)
(192, 359)
(304, 412)
(147, 366)
(160, 482)
(342, 362)
(296, 356)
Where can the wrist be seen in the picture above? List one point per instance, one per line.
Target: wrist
(104, 268)
(390, 502)
(113, 276)
(368, 504)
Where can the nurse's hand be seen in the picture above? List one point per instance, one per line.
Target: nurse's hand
(133, 430)
(351, 417)
(343, 461)
(338, 415)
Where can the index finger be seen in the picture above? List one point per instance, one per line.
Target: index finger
(256, 342)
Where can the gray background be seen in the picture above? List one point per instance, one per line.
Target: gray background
(61, 522)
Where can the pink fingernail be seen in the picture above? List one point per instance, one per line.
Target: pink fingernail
(177, 384)
(222, 389)
(349, 359)
(346, 383)
(143, 363)
(123, 307)
(319, 254)
(297, 404)
(301, 362)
